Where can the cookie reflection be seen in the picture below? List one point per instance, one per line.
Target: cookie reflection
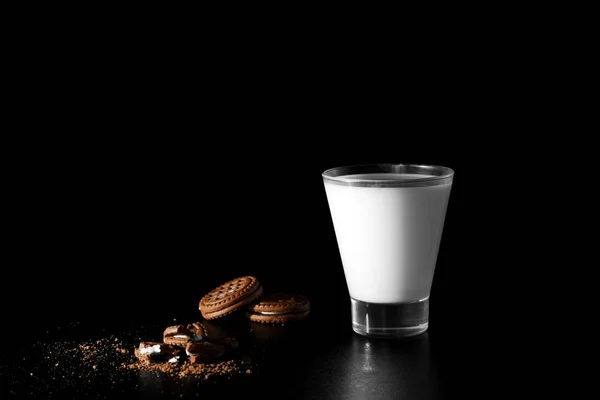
(270, 335)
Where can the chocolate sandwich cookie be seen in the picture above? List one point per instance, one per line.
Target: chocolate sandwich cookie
(202, 352)
(231, 296)
(216, 334)
(278, 308)
(180, 335)
(158, 352)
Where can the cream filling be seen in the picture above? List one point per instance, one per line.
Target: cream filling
(195, 337)
(191, 354)
(272, 312)
(150, 349)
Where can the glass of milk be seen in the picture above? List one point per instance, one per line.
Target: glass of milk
(388, 221)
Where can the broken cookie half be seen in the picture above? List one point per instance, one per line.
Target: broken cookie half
(158, 352)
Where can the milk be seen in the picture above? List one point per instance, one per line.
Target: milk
(388, 237)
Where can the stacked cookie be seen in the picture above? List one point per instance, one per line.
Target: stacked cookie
(204, 342)
(246, 294)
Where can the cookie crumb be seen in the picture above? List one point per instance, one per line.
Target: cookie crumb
(203, 372)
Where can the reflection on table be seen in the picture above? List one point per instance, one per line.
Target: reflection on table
(365, 368)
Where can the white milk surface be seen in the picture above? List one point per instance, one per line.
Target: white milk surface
(388, 237)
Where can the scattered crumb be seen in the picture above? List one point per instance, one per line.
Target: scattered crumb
(185, 369)
(107, 365)
(112, 354)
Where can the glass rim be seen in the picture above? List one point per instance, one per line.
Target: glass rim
(436, 175)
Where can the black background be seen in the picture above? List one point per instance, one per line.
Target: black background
(143, 172)
(124, 232)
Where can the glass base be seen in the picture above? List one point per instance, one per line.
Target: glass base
(395, 320)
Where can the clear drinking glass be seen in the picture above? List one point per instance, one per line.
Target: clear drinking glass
(388, 221)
